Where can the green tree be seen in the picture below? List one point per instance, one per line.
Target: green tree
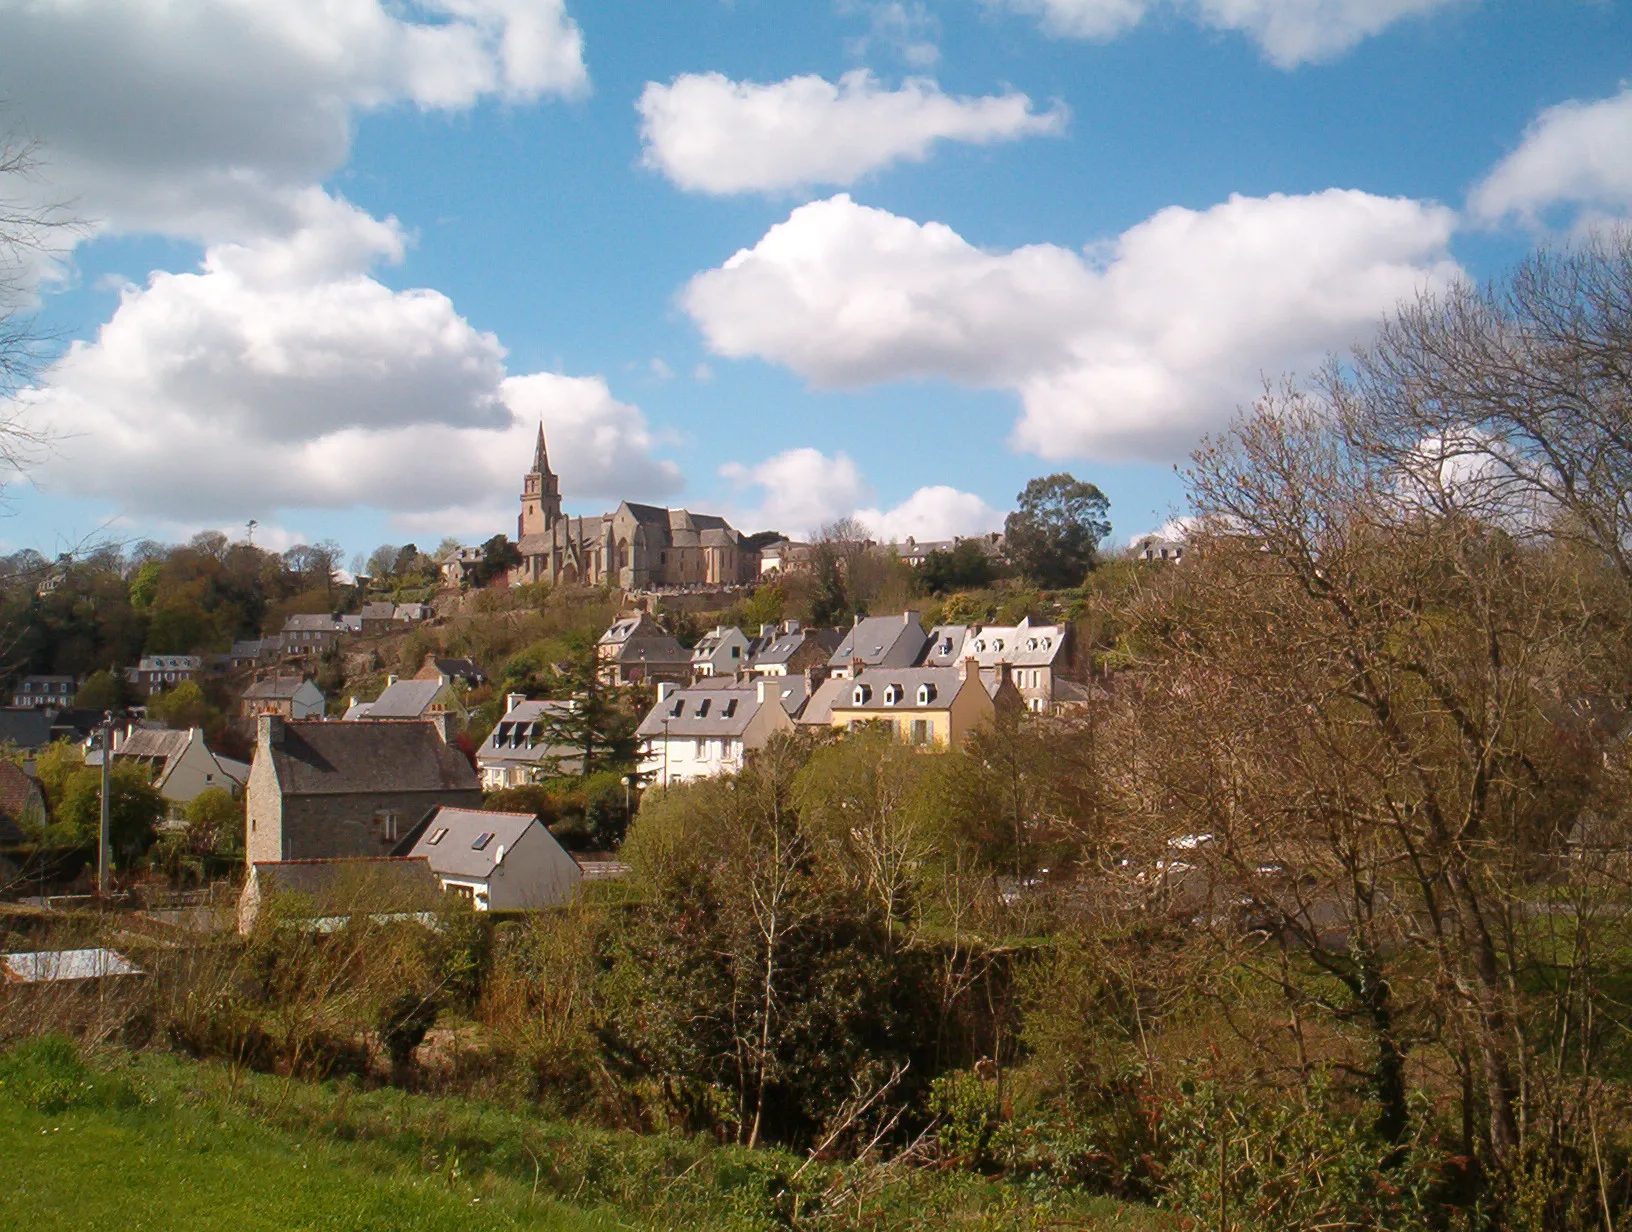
(102, 690)
(966, 566)
(184, 706)
(1054, 531)
(55, 768)
(215, 823)
(135, 807)
(499, 556)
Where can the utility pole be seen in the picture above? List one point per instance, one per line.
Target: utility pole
(249, 531)
(104, 852)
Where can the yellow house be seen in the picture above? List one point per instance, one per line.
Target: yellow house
(929, 706)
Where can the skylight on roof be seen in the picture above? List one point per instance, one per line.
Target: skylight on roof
(482, 840)
(441, 833)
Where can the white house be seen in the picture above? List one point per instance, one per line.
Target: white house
(294, 697)
(181, 764)
(1039, 657)
(707, 729)
(499, 861)
(518, 749)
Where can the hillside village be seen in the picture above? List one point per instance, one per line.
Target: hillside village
(1011, 862)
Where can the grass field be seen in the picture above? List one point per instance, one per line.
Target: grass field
(158, 1143)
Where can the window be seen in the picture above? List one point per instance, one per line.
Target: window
(920, 731)
(862, 695)
(482, 840)
(388, 825)
(702, 707)
(440, 834)
(730, 708)
(701, 748)
(736, 652)
(468, 893)
(926, 694)
(892, 694)
(679, 705)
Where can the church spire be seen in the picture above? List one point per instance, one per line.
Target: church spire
(541, 455)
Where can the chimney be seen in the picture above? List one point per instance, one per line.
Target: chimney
(665, 690)
(269, 730)
(390, 680)
(512, 700)
(969, 667)
(762, 686)
(767, 630)
(909, 618)
(443, 722)
(790, 626)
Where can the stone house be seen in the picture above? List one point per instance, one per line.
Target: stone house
(294, 697)
(160, 673)
(377, 618)
(411, 699)
(332, 891)
(319, 790)
(498, 861)
(636, 649)
(305, 634)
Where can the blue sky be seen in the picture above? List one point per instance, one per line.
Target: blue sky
(341, 256)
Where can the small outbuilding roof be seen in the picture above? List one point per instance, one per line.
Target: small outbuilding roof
(53, 966)
(469, 842)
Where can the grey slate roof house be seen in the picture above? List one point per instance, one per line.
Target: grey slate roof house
(880, 641)
(710, 727)
(636, 648)
(320, 790)
(331, 891)
(518, 749)
(499, 861)
(790, 649)
(294, 697)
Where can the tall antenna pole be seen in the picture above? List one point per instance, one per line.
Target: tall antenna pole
(104, 851)
(249, 530)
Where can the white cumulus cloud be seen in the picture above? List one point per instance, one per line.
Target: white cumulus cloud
(207, 119)
(1288, 32)
(801, 490)
(1130, 352)
(1577, 153)
(282, 374)
(710, 134)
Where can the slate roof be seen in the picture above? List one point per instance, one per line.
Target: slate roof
(871, 640)
(818, 711)
(460, 669)
(944, 680)
(703, 711)
(1021, 645)
(306, 623)
(526, 723)
(377, 611)
(158, 745)
(379, 883)
(945, 646)
(407, 699)
(48, 966)
(365, 756)
(454, 856)
(26, 728)
(274, 688)
(780, 648)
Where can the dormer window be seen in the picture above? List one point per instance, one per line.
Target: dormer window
(1031, 643)
(981, 645)
(702, 707)
(892, 694)
(679, 705)
(946, 646)
(862, 695)
(997, 643)
(730, 708)
(926, 694)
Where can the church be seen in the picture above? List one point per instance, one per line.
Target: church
(636, 547)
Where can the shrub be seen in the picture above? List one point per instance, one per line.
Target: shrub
(48, 1075)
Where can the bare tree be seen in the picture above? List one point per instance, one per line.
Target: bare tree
(30, 232)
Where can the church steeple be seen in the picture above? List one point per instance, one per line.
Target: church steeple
(540, 493)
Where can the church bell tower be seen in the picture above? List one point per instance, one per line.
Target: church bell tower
(540, 494)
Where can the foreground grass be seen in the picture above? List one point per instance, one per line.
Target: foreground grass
(157, 1142)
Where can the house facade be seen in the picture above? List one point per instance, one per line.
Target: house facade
(44, 692)
(311, 634)
(708, 728)
(723, 651)
(1040, 657)
(636, 547)
(879, 641)
(519, 750)
(789, 650)
(293, 697)
(498, 861)
(180, 764)
(321, 790)
(930, 707)
(161, 673)
(635, 649)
